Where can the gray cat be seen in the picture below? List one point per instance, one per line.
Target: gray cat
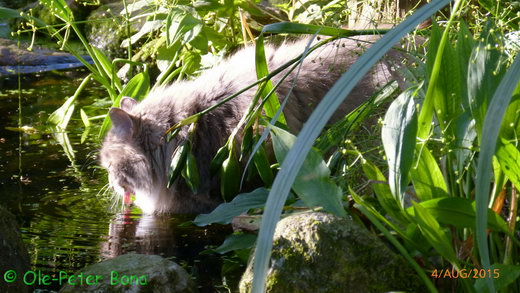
(137, 156)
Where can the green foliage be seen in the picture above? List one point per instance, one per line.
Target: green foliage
(469, 87)
(446, 141)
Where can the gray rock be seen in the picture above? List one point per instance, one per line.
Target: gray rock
(318, 252)
(105, 32)
(136, 273)
(13, 255)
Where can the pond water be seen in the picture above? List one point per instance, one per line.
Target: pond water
(67, 219)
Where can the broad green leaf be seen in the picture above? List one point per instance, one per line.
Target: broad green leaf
(200, 42)
(191, 62)
(166, 55)
(236, 242)
(465, 134)
(511, 124)
(242, 203)
(134, 6)
(399, 136)
(486, 69)
(319, 118)
(427, 176)
(382, 191)
(459, 212)
(463, 47)
(433, 232)
(148, 27)
(508, 156)
(312, 184)
(138, 87)
(182, 26)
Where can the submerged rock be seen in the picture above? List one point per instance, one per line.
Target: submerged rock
(16, 59)
(318, 252)
(134, 273)
(13, 255)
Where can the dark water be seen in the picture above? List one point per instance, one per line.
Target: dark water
(67, 218)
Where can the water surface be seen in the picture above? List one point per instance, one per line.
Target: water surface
(66, 215)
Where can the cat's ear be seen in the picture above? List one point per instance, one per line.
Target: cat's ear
(128, 104)
(122, 125)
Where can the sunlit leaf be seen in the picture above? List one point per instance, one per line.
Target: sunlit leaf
(312, 184)
(427, 177)
(242, 203)
(235, 242)
(398, 136)
(433, 232)
(459, 212)
(508, 156)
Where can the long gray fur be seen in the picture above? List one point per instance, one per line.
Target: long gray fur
(137, 156)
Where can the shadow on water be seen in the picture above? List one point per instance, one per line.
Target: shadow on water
(60, 199)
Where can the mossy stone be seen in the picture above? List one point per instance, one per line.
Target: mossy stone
(318, 252)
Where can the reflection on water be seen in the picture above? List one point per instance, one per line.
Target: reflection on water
(65, 217)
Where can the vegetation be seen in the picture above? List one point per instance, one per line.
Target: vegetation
(443, 178)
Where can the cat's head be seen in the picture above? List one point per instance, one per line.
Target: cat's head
(128, 155)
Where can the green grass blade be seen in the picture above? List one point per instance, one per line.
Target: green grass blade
(298, 28)
(491, 127)
(285, 178)
(426, 114)
(6, 13)
(273, 104)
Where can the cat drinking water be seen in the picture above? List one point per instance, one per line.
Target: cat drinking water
(137, 155)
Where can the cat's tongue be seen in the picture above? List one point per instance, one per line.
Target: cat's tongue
(127, 198)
